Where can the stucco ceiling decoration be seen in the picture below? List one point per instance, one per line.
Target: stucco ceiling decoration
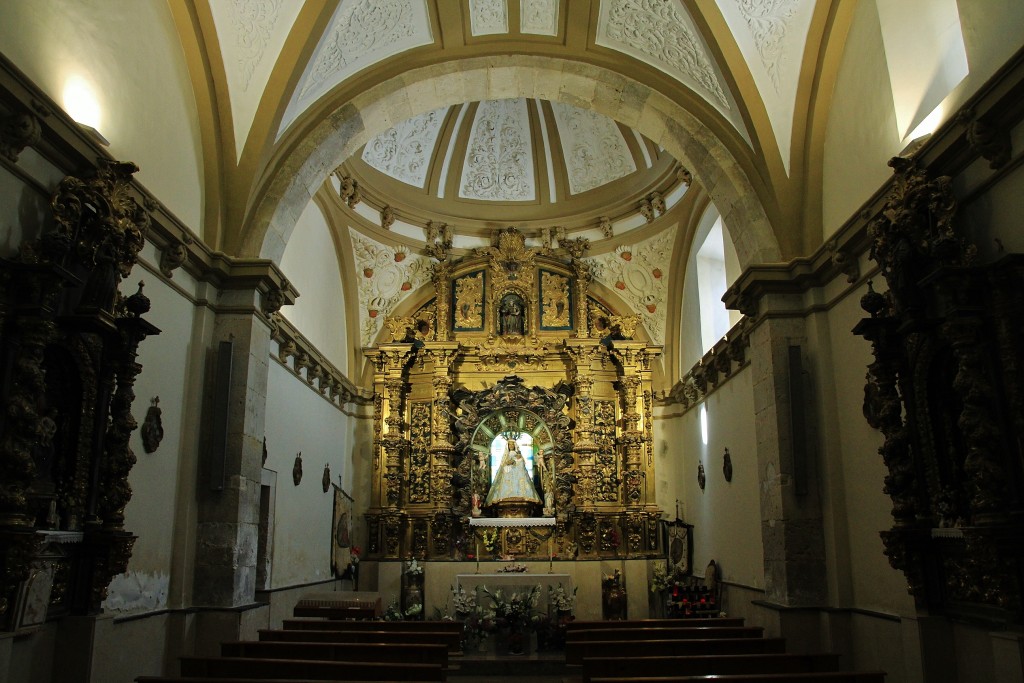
(594, 149)
(499, 160)
(539, 17)
(657, 32)
(487, 17)
(386, 275)
(639, 274)
(253, 21)
(404, 152)
(251, 34)
(772, 35)
(502, 147)
(361, 33)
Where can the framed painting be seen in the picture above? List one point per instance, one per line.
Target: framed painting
(341, 532)
(679, 546)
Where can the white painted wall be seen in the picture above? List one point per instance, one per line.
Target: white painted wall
(162, 482)
(311, 263)
(133, 63)
(300, 419)
(726, 515)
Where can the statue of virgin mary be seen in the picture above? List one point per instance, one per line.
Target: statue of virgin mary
(512, 482)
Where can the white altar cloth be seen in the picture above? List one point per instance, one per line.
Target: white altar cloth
(511, 521)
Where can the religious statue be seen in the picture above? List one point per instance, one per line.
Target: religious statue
(511, 315)
(512, 483)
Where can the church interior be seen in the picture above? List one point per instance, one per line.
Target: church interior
(380, 298)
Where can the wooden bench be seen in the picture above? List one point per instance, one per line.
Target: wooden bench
(329, 625)
(450, 639)
(576, 651)
(654, 623)
(817, 677)
(423, 653)
(705, 665)
(290, 669)
(644, 633)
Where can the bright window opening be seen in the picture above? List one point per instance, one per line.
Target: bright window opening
(717, 265)
(704, 424)
(925, 53)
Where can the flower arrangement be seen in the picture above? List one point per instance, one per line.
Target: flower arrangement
(513, 568)
(515, 610)
(463, 602)
(561, 599)
(665, 579)
(490, 539)
(414, 569)
(395, 613)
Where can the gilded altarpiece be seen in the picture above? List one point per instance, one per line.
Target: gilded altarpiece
(524, 354)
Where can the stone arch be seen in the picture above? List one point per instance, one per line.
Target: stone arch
(353, 123)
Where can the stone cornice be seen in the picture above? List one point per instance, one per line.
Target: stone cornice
(726, 358)
(321, 375)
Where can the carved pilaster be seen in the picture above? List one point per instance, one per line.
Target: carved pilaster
(441, 277)
(391, 532)
(584, 446)
(582, 285)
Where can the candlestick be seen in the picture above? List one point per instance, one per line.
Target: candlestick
(551, 557)
(478, 557)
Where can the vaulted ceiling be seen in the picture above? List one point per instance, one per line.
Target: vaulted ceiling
(273, 71)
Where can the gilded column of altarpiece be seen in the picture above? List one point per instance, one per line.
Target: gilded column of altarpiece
(518, 348)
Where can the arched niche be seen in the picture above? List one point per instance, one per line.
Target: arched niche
(535, 442)
(505, 408)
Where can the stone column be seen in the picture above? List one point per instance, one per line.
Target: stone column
(227, 527)
(791, 519)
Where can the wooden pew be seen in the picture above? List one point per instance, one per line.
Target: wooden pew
(450, 639)
(423, 653)
(644, 633)
(705, 665)
(814, 677)
(655, 623)
(329, 625)
(576, 651)
(338, 613)
(290, 669)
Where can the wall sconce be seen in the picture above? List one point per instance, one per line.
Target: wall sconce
(81, 105)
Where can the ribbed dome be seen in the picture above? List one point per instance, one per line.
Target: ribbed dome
(511, 161)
